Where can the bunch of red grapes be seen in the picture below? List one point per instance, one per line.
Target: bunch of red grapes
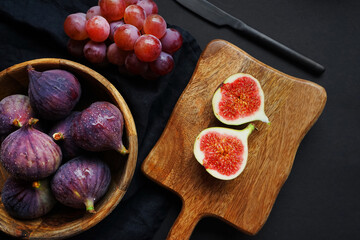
(128, 33)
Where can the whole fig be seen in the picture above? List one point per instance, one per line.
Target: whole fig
(29, 154)
(99, 127)
(27, 200)
(62, 136)
(53, 93)
(81, 182)
(15, 111)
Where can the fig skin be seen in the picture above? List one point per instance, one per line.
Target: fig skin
(15, 111)
(99, 128)
(27, 200)
(53, 93)
(29, 154)
(81, 182)
(61, 133)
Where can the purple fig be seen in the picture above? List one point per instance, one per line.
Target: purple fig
(81, 182)
(53, 93)
(99, 128)
(62, 136)
(27, 200)
(29, 154)
(15, 111)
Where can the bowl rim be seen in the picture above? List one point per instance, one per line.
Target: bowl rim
(122, 183)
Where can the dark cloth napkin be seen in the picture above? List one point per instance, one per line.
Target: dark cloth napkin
(32, 29)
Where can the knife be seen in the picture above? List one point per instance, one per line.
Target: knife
(221, 18)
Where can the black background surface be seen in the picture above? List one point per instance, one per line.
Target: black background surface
(320, 199)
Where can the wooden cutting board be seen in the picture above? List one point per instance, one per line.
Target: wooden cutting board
(292, 105)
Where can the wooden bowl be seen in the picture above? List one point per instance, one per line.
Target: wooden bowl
(63, 221)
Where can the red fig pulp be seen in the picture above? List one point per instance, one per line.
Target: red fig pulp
(27, 200)
(81, 182)
(223, 151)
(239, 99)
(29, 154)
(62, 135)
(54, 93)
(15, 111)
(99, 127)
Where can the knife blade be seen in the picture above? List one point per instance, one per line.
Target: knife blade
(221, 18)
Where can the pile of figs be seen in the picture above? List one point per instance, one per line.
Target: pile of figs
(48, 148)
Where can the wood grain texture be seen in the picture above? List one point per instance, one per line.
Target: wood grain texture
(63, 222)
(292, 105)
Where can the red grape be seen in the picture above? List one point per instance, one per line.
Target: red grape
(112, 10)
(74, 26)
(98, 28)
(125, 36)
(115, 55)
(155, 25)
(135, 15)
(113, 27)
(171, 41)
(75, 47)
(126, 33)
(149, 6)
(147, 48)
(130, 2)
(93, 11)
(134, 65)
(95, 52)
(163, 64)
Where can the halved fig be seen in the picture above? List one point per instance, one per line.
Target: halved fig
(223, 151)
(238, 100)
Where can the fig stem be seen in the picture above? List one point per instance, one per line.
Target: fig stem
(36, 184)
(32, 121)
(266, 120)
(89, 203)
(249, 128)
(17, 123)
(29, 68)
(123, 150)
(58, 136)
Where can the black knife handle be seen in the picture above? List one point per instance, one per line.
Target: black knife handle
(279, 48)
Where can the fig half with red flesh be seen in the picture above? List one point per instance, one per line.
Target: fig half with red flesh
(223, 151)
(238, 100)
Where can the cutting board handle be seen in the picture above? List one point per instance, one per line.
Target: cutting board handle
(185, 223)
